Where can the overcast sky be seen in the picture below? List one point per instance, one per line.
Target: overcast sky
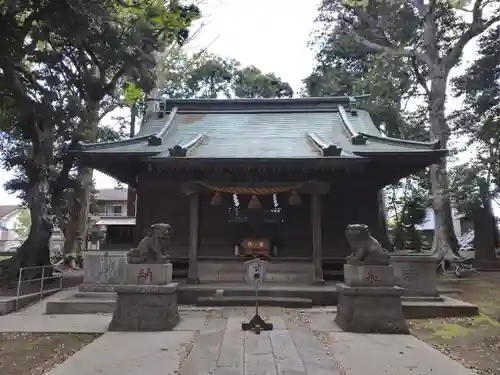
(270, 34)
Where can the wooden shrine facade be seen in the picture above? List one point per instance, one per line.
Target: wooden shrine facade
(280, 177)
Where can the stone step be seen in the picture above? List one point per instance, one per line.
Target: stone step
(447, 308)
(96, 295)
(250, 301)
(422, 298)
(80, 306)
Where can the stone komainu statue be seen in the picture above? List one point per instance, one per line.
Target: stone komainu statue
(365, 248)
(153, 247)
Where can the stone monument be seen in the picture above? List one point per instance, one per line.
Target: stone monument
(369, 301)
(147, 301)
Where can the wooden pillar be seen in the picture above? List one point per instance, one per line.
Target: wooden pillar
(316, 237)
(194, 223)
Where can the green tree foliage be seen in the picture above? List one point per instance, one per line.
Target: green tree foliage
(206, 75)
(62, 67)
(407, 204)
(429, 37)
(23, 223)
(477, 181)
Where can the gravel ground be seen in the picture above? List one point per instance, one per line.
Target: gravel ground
(37, 353)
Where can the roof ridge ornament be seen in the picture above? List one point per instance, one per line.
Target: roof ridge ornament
(157, 138)
(325, 148)
(181, 150)
(353, 105)
(356, 137)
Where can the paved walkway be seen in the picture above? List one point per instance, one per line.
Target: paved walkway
(210, 341)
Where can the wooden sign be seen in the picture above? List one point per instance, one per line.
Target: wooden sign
(256, 271)
(256, 246)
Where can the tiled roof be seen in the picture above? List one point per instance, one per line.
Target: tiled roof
(260, 128)
(7, 209)
(111, 195)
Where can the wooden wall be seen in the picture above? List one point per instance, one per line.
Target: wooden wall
(343, 205)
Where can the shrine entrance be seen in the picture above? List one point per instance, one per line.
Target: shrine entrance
(261, 220)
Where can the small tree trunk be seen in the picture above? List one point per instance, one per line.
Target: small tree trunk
(385, 241)
(131, 193)
(83, 198)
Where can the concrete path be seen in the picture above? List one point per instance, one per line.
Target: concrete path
(33, 319)
(210, 342)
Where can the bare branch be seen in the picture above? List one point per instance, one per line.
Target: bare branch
(391, 49)
(418, 75)
(476, 27)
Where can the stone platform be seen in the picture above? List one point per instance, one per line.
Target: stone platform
(91, 300)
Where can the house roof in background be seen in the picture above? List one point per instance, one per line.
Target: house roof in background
(7, 209)
(111, 195)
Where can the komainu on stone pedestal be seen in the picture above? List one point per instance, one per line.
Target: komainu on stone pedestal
(152, 248)
(365, 248)
(369, 301)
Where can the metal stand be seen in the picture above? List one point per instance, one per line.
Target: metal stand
(257, 324)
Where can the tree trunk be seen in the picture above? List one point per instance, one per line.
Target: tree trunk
(80, 210)
(385, 241)
(444, 234)
(83, 212)
(484, 236)
(35, 251)
(131, 193)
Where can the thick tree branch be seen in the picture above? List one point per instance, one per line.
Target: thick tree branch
(418, 75)
(476, 27)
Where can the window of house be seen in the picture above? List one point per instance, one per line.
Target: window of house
(113, 210)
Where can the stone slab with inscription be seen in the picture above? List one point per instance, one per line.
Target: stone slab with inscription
(416, 274)
(145, 308)
(104, 267)
(368, 275)
(148, 274)
(370, 310)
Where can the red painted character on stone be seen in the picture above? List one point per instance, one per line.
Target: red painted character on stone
(145, 275)
(372, 277)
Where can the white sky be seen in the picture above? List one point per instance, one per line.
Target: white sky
(270, 34)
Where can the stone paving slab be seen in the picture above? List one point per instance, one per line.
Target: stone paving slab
(390, 355)
(210, 341)
(124, 353)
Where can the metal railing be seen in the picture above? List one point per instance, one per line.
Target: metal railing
(41, 279)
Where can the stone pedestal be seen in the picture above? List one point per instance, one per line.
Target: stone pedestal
(369, 302)
(145, 308)
(368, 275)
(148, 274)
(416, 274)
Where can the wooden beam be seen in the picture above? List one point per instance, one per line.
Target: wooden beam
(317, 239)
(308, 187)
(194, 221)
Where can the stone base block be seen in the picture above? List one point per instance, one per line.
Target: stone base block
(368, 275)
(370, 310)
(148, 274)
(145, 308)
(415, 273)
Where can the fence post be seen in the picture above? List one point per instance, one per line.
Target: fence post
(41, 283)
(61, 281)
(19, 286)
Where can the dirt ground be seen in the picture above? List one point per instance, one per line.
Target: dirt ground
(473, 341)
(37, 353)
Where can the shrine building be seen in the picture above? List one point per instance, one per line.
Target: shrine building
(279, 178)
